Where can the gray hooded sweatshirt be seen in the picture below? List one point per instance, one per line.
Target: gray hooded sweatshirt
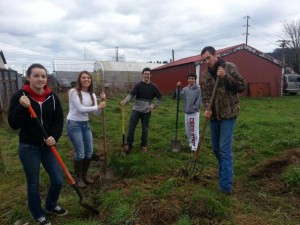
(191, 98)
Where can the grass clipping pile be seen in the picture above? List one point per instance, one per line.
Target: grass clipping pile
(269, 171)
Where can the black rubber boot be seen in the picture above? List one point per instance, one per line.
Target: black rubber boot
(78, 166)
(85, 168)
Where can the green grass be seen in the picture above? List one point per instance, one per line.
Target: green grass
(150, 189)
(292, 176)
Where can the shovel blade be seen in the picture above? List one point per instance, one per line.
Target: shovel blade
(176, 146)
(108, 176)
(84, 204)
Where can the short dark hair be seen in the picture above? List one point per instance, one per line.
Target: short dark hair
(191, 75)
(146, 69)
(209, 49)
(30, 68)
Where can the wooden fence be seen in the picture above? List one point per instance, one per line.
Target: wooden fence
(9, 84)
(10, 81)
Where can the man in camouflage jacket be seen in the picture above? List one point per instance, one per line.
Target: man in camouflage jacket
(223, 112)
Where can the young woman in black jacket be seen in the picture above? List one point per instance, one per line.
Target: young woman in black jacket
(33, 148)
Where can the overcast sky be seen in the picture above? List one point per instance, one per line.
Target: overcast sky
(143, 30)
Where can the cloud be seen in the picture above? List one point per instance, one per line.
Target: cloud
(43, 30)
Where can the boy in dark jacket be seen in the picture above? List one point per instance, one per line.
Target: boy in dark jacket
(144, 93)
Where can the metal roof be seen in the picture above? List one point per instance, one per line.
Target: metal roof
(71, 65)
(124, 66)
(222, 52)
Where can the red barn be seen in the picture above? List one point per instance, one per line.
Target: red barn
(262, 72)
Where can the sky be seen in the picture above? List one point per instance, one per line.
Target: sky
(41, 31)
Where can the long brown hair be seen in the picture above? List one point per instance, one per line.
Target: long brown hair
(78, 86)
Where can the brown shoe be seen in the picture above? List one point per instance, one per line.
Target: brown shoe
(86, 179)
(80, 183)
(127, 148)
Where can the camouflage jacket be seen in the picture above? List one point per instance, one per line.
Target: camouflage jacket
(226, 103)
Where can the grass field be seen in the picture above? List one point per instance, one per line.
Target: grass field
(150, 189)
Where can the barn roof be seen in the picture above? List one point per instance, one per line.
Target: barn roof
(123, 66)
(222, 52)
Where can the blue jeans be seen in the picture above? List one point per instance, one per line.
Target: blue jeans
(135, 116)
(31, 157)
(81, 137)
(222, 138)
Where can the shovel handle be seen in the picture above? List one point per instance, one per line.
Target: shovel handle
(53, 149)
(177, 108)
(123, 120)
(104, 136)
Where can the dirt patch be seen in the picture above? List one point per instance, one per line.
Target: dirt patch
(154, 211)
(269, 171)
(245, 219)
(277, 165)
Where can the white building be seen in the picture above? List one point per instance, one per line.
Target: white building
(66, 71)
(119, 75)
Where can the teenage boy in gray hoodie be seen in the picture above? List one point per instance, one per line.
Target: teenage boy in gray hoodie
(191, 95)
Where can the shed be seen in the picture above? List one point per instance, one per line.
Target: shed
(262, 72)
(119, 75)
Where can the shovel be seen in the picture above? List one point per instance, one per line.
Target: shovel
(195, 166)
(108, 173)
(61, 163)
(124, 145)
(175, 144)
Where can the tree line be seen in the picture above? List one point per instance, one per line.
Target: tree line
(289, 52)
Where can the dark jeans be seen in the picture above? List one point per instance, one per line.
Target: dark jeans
(135, 116)
(31, 157)
(222, 138)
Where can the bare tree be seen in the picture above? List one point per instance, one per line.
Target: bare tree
(292, 32)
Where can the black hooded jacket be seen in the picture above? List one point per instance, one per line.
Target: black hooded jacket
(49, 112)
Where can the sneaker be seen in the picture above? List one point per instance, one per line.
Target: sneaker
(42, 221)
(59, 211)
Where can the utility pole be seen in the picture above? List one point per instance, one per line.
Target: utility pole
(173, 55)
(117, 54)
(84, 52)
(247, 26)
(25, 69)
(283, 44)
